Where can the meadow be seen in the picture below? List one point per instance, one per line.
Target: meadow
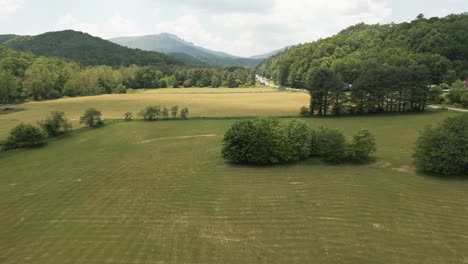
(201, 102)
(159, 192)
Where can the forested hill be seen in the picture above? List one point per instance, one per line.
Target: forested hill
(86, 50)
(440, 44)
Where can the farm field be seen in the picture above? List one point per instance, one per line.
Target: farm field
(159, 192)
(204, 102)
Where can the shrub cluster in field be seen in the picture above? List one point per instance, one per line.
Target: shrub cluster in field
(23, 136)
(443, 150)
(267, 141)
(156, 112)
(56, 124)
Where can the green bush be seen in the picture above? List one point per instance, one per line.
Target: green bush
(362, 146)
(457, 94)
(329, 145)
(304, 111)
(443, 150)
(184, 113)
(151, 113)
(165, 113)
(91, 118)
(267, 141)
(55, 124)
(174, 111)
(53, 94)
(24, 136)
(120, 89)
(261, 142)
(128, 116)
(300, 138)
(435, 94)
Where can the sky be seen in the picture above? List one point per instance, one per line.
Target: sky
(239, 27)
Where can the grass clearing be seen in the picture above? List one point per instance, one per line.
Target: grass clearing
(202, 102)
(101, 196)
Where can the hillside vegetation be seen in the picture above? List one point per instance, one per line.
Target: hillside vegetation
(86, 50)
(24, 76)
(439, 44)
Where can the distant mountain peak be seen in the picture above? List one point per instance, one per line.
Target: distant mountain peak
(171, 44)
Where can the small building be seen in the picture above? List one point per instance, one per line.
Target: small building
(466, 82)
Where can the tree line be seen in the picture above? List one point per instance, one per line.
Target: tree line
(267, 141)
(56, 124)
(375, 68)
(27, 77)
(381, 88)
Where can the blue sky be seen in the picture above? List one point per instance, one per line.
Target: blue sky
(240, 27)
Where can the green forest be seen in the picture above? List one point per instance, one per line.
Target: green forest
(86, 50)
(26, 76)
(376, 68)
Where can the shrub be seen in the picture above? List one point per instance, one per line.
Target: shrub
(266, 141)
(120, 89)
(165, 113)
(457, 92)
(443, 150)
(184, 113)
(128, 116)
(91, 118)
(300, 138)
(362, 146)
(55, 124)
(329, 145)
(23, 136)
(53, 94)
(174, 111)
(261, 142)
(435, 94)
(304, 111)
(151, 113)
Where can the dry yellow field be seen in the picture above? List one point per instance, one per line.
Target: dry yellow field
(202, 102)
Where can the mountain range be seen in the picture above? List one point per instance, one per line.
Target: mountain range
(174, 45)
(160, 50)
(86, 50)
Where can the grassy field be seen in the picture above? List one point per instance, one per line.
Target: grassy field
(160, 193)
(201, 102)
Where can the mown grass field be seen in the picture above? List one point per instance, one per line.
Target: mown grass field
(159, 192)
(201, 102)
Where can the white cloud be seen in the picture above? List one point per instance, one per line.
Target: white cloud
(444, 12)
(9, 7)
(241, 27)
(189, 27)
(156, 12)
(287, 22)
(68, 21)
(116, 25)
(225, 6)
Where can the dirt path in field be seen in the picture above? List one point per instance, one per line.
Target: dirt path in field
(183, 137)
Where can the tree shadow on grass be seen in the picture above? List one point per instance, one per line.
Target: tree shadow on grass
(6, 110)
(11, 152)
(313, 161)
(376, 115)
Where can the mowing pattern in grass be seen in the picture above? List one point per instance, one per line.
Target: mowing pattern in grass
(219, 102)
(160, 193)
